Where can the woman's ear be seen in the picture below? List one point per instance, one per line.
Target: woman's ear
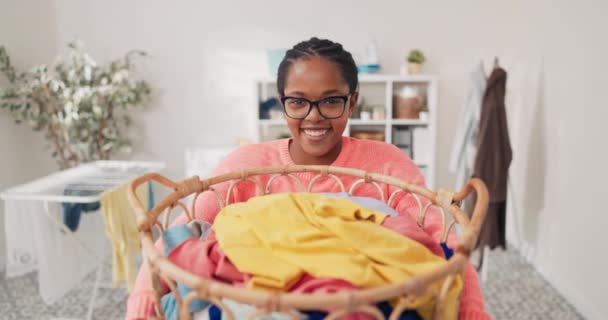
(352, 102)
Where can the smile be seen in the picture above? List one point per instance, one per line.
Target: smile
(316, 134)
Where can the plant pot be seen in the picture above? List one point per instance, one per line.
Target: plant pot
(407, 107)
(414, 68)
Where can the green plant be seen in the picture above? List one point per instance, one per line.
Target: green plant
(416, 56)
(79, 105)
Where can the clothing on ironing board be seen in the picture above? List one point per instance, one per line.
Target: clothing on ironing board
(72, 211)
(121, 229)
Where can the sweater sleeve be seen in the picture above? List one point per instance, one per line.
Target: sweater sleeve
(471, 302)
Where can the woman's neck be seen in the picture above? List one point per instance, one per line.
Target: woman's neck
(300, 157)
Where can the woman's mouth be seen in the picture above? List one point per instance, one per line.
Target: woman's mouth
(315, 134)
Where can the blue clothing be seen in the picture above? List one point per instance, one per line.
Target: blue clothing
(172, 238)
(72, 211)
(446, 251)
(366, 202)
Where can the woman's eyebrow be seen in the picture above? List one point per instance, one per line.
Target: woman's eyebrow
(296, 93)
(327, 92)
(331, 91)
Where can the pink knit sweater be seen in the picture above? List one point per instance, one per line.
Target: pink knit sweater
(366, 155)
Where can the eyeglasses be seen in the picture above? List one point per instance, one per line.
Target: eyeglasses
(329, 108)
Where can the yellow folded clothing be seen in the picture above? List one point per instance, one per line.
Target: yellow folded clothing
(279, 237)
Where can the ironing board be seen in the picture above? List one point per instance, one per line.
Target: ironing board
(46, 195)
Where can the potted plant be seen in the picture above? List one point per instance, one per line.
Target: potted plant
(415, 61)
(79, 105)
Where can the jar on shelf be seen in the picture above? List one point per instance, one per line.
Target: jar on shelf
(378, 113)
(407, 103)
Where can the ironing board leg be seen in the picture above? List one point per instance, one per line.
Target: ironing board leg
(484, 268)
(94, 294)
(89, 251)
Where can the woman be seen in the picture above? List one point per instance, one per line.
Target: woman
(317, 83)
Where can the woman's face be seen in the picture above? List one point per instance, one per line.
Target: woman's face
(315, 138)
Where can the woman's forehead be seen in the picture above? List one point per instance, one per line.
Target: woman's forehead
(314, 76)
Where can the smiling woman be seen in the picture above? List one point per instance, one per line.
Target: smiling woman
(317, 83)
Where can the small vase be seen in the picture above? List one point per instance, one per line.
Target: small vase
(414, 68)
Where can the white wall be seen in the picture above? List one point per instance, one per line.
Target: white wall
(27, 31)
(204, 56)
(559, 171)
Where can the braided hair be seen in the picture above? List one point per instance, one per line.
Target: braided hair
(327, 49)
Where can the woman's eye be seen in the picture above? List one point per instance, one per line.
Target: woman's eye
(296, 102)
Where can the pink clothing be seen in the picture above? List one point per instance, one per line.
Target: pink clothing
(406, 226)
(371, 156)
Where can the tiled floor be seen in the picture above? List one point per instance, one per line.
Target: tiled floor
(520, 293)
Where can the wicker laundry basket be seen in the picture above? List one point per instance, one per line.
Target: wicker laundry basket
(363, 300)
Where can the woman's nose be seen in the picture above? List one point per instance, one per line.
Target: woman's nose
(314, 115)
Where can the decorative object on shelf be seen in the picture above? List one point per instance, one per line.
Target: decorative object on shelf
(275, 114)
(415, 61)
(378, 112)
(407, 103)
(368, 135)
(402, 136)
(275, 56)
(368, 68)
(366, 113)
(369, 62)
(271, 109)
(80, 105)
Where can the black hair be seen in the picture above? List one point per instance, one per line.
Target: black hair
(327, 49)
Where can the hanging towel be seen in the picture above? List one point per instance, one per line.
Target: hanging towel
(121, 229)
(464, 147)
(494, 158)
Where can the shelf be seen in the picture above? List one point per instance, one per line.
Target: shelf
(409, 122)
(273, 122)
(366, 122)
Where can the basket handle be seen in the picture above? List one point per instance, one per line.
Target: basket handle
(469, 238)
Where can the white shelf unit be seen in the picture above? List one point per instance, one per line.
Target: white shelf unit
(377, 90)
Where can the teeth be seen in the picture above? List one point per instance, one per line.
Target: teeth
(315, 133)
